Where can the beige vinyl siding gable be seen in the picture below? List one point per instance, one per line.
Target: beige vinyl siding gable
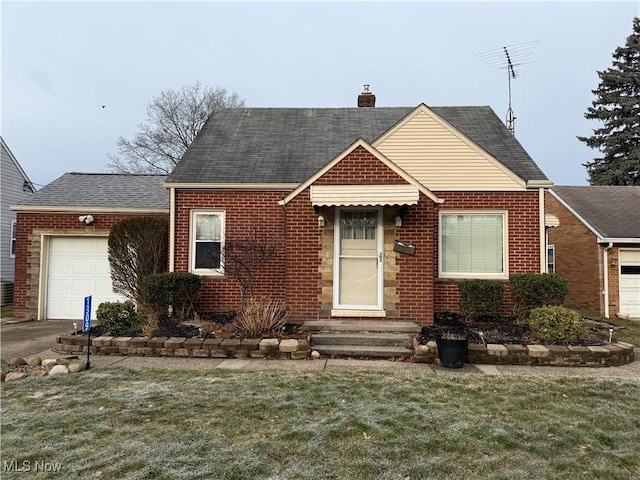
(443, 159)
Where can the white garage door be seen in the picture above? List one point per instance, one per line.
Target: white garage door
(77, 267)
(630, 282)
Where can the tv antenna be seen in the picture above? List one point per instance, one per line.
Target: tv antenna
(509, 58)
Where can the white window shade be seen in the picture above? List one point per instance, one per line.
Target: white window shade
(472, 244)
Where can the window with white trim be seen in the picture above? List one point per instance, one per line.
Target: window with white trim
(473, 245)
(551, 259)
(14, 234)
(207, 239)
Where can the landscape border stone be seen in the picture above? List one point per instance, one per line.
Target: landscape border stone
(610, 355)
(186, 347)
(620, 353)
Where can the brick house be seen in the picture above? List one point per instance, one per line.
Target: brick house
(62, 232)
(596, 247)
(376, 212)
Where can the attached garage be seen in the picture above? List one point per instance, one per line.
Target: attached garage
(62, 235)
(630, 282)
(76, 268)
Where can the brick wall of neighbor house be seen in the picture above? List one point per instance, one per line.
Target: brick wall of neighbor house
(523, 238)
(245, 212)
(31, 228)
(578, 259)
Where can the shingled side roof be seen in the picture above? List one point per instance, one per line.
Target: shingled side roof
(101, 190)
(288, 145)
(612, 211)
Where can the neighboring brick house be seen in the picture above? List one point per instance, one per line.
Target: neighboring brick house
(62, 232)
(377, 212)
(15, 187)
(596, 247)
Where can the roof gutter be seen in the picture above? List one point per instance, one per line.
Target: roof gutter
(618, 240)
(539, 184)
(63, 209)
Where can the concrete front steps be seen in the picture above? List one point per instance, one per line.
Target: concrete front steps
(368, 338)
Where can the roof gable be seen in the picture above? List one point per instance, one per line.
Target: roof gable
(8, 155)
(360, 143)
(441, 157)
(612, 213)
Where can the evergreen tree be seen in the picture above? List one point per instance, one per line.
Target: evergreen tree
(617, 106)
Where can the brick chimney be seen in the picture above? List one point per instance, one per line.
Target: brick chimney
(366, 98)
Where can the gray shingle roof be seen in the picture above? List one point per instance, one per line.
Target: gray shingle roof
(612, 211)
(102, 190)
(288, 145)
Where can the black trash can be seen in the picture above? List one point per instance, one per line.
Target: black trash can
(452, 352)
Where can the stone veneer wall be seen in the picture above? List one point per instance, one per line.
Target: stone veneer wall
(608, 355)
(185, 347)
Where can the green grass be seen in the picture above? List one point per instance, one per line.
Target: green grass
(6, 311)
(117, 423)
(630, 333)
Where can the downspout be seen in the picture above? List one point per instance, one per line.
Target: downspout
(172, 228)
(605, 266)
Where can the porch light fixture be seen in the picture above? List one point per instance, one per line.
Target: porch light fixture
(398, 221)
(86, 219)
(320, 221)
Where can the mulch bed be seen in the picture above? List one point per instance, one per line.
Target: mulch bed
(209, 325)
(494, 329)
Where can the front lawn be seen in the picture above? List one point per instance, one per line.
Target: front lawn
(117, 423)
(630, 332)
(6, 311)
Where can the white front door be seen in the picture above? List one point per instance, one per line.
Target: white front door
(358, 273)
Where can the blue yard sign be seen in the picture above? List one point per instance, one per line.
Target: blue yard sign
(86, 324)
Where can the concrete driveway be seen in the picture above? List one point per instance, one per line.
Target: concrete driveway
(29, 338)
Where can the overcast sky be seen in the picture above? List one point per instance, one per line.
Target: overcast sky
(62, 61)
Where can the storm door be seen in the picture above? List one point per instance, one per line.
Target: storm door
(358, 259)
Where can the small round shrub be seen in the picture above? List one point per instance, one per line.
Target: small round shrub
(480, 297)
(555, 324)
(533, 290)
(119, 318)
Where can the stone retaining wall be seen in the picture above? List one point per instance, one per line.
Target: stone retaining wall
(184, 347)
(608, 355)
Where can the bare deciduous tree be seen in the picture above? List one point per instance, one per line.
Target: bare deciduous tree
(174, 118)
(244, 257)
(137, 248)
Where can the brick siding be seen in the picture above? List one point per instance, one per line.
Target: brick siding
(579, 259)
(523, 238)
(31, 227)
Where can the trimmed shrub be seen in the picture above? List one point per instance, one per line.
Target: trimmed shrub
(555, 324)
(534, 290)
(119, 318)
(179, 290)
(261, 315)
(480, 297)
